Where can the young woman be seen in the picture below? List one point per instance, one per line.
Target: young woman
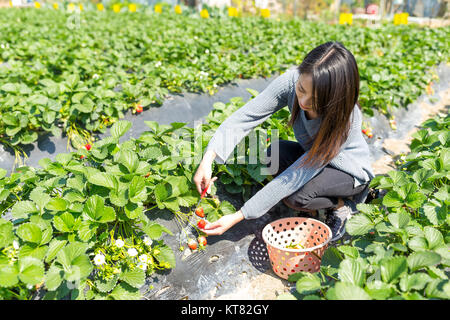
(328, 166)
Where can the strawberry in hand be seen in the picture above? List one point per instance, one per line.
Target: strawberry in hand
(201, 224)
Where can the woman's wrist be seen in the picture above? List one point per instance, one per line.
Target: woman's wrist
(209, 156)
(239, 216)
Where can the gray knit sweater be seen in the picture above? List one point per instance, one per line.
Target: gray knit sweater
(354, 157)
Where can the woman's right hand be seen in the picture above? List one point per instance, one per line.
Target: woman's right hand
(202, 177)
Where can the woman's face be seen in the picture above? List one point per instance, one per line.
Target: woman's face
(303, 90)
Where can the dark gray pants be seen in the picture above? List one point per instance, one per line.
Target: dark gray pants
(322, 191)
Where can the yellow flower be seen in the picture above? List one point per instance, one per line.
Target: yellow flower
(346, 18)
(10, 3)
(265, 13)
(116, 8)
(71, 7)
(81, 7)
(232, 12)
(100, 7)
(37, 5)
(158, 8)
(55, 6)
(132, 7)
(178, 9)
(204, 13)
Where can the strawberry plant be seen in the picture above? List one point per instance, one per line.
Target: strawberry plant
(54, 80)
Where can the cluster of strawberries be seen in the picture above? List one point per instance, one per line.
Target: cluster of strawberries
(88, 147)
(201, 240)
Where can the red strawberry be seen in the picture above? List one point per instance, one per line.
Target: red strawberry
(192, 244)
(201, 224)
(82, 157)
(88, 147)
(364, 131)
(139, 108)
(199, 211)
(147, 175)
(202, 241)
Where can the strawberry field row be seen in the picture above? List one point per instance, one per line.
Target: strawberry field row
(83, 71)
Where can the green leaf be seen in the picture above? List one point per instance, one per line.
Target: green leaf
(57, 204)
(166, 255)
(331, 258)
(350, 252)
(135, 277)
(392, 268)
(346, 291)
(137, 190)
(6, 233)
(129, 159)
(399, 219)
(436, 215)
(104, 179)
(31, 270)
(418, 243)
(433, 236)
(54, 246)
(86, 230)
(68, 254)
(33, 250)
(133, 210)
(351, 270)
(415, 281)
(286, 296)
(9, 275)
(22, 209)
(64, 222)
(30, 232)
(95, 210)
(154, 230)
(379, 290)
(421, 259)
(393, 199)
(359, 224)
(53, 277)
(9, 87)
(119, 128)
(106, 285)
(124, 291)
(81, 267)
(308, 283)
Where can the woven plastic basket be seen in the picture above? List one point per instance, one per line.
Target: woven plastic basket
(313, 236)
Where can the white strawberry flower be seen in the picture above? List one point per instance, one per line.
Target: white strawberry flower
(158, 64)
(147, 241)
(142, 266)
(203, 74)
(143, 258)
(132, 252)
(116, 270)
(207, 51)
(16, 245)
(99, 259)
(119, 243)
(95, 76)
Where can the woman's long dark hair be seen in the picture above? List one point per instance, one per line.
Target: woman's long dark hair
(335, 91)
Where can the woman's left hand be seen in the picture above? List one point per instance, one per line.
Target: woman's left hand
(223, 224)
